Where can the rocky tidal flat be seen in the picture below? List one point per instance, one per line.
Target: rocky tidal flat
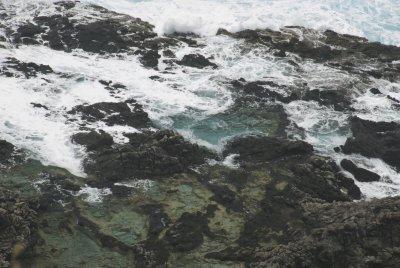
(122, 147)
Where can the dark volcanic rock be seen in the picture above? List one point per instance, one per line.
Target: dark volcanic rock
(375, 91)
(375, 139)
(361, 234)
(104, 32)
(344, 52)
(263, 90)
(93, 140)
(18, 220)
(154, 154)
(38, 105)
(187, 232)
(114, 113)
(158, 219)
(360, 174)
(28, 69)
(9, 155)
(197, 61)
(6, 151)
(150, 58)
(301, 41)
(255, 149)
(334, 98)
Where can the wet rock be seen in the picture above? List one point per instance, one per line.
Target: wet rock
(150, 58)
(226, 197)
(187, 232)
(337, 99)
(18, 222)
(38, 105)
(344, 52)
(375, 91)
(256, 149)
(263, 90)
(151, 253)
(152, 154)
(360, 174)
(104, 32)
(13, 67)
(114, 113)
(9, 155)
(93, 140)
(197, 61)
(25, 34)
(360, 234)
(6, 151)
(158, 219)
(375, 139)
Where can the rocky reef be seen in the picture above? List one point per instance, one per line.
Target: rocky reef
(154, 198)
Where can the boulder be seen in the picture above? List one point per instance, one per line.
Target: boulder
(360, 174)
(93, 140)
(375, 139)
(197, 61)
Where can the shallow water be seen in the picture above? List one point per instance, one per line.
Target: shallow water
(193, 101)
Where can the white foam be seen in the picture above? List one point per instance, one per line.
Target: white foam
(93, 195)
(388, 185)
(193, 93)
(378, 20)
(137, 184)
(230, 161)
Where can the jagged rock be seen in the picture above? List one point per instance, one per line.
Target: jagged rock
(197, 61)
(9, 155)
(153, 154)
(187, 232)
(254, 149)
(375, 139)
(335, 98)
(18, 220)
(360, 174)
(93, 140)
(28, 69)
(114, 113)
(341, 51)
(361, 234)
(108, 33)
(158, 219)
(261, 90)
(150, 58)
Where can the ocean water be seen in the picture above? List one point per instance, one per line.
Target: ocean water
(191, 100)
(377, 20)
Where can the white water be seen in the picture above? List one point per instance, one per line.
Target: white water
(192, 93)
(378, 20)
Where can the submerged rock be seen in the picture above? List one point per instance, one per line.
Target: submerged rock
(187, 232)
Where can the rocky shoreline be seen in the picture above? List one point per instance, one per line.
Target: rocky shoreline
(268, 199)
